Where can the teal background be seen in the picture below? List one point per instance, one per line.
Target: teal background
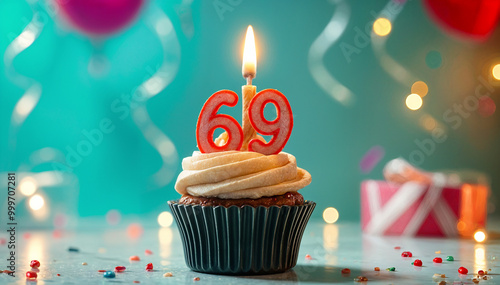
(329, 139)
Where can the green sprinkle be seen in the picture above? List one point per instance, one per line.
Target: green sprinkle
(412, 263)
(392, 269)
(450, 258)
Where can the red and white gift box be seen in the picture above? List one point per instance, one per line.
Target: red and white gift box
(423, 209)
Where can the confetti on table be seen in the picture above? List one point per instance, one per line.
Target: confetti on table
(109, 274)
(308, 257)
(35, 263)
(406, 254)
(463, 270)
(134, 258)
(148, 252)
(149, 267)
(417, 262)
(84, 263)
(31, 275)
(361, 279)
(437, 252)
(346, 271)
(73, 249)
(196, 279)
(168, 274)
(450, 258)
(120, 268)
(376, 268)
(437, 260)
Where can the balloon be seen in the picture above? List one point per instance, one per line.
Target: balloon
(475, 19)
(100, 17)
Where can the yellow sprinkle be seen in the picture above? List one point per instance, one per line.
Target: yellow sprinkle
(168, 274)
(84, 263)
(437, 252)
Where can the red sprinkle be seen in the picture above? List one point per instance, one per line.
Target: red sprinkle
(438, 260)
(463, 270)
(346, 271)
(480, 272)
(134, 258)
(308, 257)
(35, 263)
(31, 275)
(149, 267)
(58, 274)
(148, 252)
(120, 268)
(397, 247)
(101, 270)
(406, 254)
(417, 262)
(196, 279)
(136, 281)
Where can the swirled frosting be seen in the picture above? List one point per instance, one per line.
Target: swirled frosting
(240, 174)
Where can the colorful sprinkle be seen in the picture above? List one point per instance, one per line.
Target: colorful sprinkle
(475, 281)
(168, 274)
(58, 274)
(480, 272)
(101, 270)
(417, 262)
(437, 252)
(450, 258)
(442, 283)
(84, 263)
(391, 269)
(148, 252)
(149, 267)
(196, 279)
(109, 274)
(438, 260)
(35, 263)
(361, 279)
(463, 270)
(397, 247)
(376, 268)
(120, 268)
(406, 254)
(346, 271)
(73, 249)
(31, 275)
(135, 281)
(308, 257)
(134, 258)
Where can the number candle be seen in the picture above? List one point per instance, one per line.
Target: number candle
(249, 70)
(245, 138)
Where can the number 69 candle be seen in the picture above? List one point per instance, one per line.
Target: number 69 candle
(245, 138)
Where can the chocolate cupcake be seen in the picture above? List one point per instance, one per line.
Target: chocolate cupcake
(240, 212)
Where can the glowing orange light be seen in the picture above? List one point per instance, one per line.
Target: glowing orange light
(249, 67)
(382, 27)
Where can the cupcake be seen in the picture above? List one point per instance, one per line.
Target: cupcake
(240, 212)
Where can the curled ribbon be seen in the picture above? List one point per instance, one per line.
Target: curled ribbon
(415, 185)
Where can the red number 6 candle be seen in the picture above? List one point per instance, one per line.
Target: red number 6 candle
(209, 121)
(280, 128)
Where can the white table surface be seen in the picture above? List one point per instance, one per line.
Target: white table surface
(332, 247)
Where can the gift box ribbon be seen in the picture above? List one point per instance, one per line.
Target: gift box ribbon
(416, 184)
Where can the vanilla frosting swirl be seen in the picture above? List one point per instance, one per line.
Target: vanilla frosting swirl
(240, 174)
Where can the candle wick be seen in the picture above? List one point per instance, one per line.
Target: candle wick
(249, 79)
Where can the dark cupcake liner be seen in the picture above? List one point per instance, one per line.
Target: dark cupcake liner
(239, 241)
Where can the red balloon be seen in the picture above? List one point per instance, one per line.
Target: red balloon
(472, 18)
(100, 17)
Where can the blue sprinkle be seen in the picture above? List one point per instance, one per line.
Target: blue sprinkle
(73, 249)
(109, 274)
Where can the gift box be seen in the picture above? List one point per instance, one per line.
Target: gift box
(427, 205)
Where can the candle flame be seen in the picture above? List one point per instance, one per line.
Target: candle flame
(249, 68)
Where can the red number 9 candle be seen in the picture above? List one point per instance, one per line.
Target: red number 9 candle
(236, 137)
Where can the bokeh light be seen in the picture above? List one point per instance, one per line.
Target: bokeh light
(113, 217)
(134, 230)
(330, 215)
(27, 186)
(428, 122)
(36, 202)
(420, 88)
(433, 59)
(495, 71)
(165, 219)
(487, 106)
(414, 102)
(480, 236)
(382, 27)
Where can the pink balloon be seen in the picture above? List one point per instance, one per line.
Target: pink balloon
(100, 17)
